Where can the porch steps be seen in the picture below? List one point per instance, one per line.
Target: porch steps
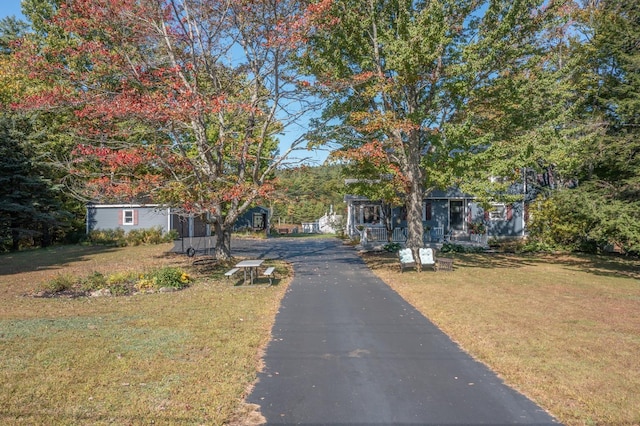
(460, 236)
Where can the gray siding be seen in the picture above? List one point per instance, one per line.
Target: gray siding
(109, 217)
(512, 227)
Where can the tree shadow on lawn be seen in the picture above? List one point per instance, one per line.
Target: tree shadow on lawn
(47, 258)
(602, 265)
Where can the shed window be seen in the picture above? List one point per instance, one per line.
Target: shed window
(258, 221)
(127, 217)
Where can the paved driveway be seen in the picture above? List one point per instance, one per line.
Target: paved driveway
(346, 349)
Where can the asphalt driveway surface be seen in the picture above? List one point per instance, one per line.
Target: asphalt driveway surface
(347, 350)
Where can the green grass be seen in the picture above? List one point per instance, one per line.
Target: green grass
(187, 357)
(564, 330)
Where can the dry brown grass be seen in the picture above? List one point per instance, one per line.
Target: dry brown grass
(564, 330)
(187, 357)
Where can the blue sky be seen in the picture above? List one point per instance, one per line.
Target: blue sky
(10, 7)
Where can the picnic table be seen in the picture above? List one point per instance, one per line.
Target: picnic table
(252, 266)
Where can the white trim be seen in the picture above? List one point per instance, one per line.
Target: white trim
(121, 206)
(124, 217)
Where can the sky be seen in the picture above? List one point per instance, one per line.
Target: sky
(12, 7)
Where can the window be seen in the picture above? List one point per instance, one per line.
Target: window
(370, 214)
(127, 217)
(501, 211)
(426, 210)
(258, 221)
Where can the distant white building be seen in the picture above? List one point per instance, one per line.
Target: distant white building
(330, 223)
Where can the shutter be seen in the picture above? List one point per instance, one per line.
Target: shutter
(135, 217)
(509, 212)
(486, 215)
(120, 217)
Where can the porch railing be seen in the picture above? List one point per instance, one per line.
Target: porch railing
(371, 235)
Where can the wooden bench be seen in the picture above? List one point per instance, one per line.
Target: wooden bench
(269, 272)
(444, 264)
(230, 272)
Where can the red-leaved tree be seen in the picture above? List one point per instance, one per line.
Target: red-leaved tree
(177, 102)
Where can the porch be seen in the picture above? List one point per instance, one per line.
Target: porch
(376, 236)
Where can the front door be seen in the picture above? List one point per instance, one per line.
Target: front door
(456, 215)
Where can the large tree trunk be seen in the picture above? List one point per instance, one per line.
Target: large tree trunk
(222, 250)
(415, 195)
(414, 217)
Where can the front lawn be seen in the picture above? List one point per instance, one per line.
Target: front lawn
(184, 357)
(564, 330)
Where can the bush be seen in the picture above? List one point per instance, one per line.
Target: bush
(134, 237)
(459, 248)
(170, 277)
(119, 283)
(62, 282)
(586, 219)
(108, 237)
(95, 281)
(392, 247)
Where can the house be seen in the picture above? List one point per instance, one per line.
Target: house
(446, 215)
(327, 224)
(145, 216)
(255, 219)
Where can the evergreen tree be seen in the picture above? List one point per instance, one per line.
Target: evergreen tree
(602, 206)
(34, 209)
(31, 212)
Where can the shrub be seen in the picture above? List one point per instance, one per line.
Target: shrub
(60, 283)
(108, 237)
(120, 283)
(170, 277)
(146, 284)
(392, 247)
(134, 237)
(127, 277)
(95, 281)
(459, 248)
(120, 288)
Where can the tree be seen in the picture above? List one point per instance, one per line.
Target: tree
(410, 78)
(34, 211)
(601, 206)
(31, 211)
(176, 101)
(304, 194)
